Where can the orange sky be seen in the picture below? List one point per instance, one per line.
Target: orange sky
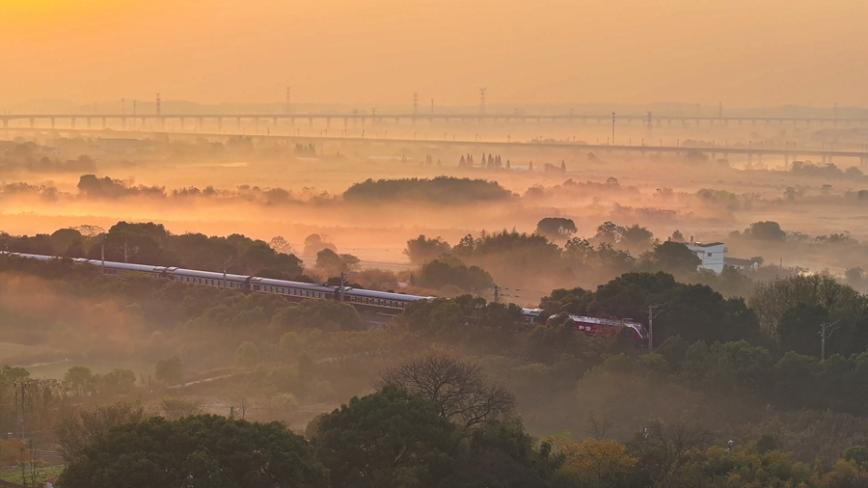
(741, 52)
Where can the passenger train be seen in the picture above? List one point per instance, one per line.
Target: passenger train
(367, 299)
(379, 301)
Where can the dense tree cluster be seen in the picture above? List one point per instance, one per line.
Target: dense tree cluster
(422, 249)
(149, 243)
(197, 451)
(794, 310)
(509, 256)
(693, 312)
(442, 190)
(556, 227)
(404, 435)
(452, 274)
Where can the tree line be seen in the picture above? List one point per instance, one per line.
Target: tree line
(432, 422)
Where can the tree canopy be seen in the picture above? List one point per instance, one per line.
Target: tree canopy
(199, 451)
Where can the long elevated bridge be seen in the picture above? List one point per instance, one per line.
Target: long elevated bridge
(52, 120)
(748, 151)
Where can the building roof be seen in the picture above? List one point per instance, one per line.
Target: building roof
(705, 244)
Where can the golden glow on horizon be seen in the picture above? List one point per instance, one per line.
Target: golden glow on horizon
(50, 7)
(740, 52)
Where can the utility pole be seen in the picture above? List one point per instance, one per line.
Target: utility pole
(650, 329)
(496, 294)
(826, 330)
(653, 310)
(23, 467)
(21, 405)
(225, 267)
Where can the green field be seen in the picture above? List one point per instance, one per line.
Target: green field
(43, 473)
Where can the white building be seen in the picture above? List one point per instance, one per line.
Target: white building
(711, 255)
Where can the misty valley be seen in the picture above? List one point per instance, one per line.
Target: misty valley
(452, 244)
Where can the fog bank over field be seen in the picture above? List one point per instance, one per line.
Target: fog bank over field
(264, 190)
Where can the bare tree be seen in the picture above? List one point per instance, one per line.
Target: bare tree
(459, 389)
